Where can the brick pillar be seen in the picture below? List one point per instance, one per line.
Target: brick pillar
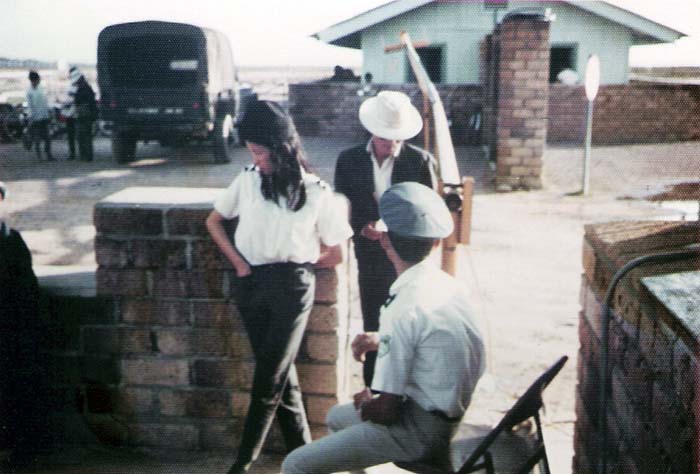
(184, 360)
(522, 91)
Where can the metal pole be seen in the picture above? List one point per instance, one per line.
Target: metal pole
(587, 150)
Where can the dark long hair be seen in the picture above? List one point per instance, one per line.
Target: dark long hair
(288, 159)
(266, 123)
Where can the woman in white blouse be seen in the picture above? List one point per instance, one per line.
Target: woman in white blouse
(287, 223)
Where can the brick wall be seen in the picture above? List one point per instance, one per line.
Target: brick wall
(330, 108)
(630, 113)
(168, 354)
(654, 357)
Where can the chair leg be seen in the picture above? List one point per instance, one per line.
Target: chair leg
(540, 435)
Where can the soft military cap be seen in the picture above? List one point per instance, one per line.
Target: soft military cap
(414, 210)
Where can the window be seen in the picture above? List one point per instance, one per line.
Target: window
(560, 58)
(431, 57)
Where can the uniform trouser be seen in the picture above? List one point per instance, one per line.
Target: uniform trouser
(70, 136)
(355, 444)
(275, 302)
(40, 131)
(374, 280)
(84, 135)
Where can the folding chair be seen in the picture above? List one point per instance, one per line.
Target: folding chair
(479, 450)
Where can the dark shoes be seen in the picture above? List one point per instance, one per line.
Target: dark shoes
(239, 468)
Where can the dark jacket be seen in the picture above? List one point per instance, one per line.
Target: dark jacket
(354, 177)
(85, 104)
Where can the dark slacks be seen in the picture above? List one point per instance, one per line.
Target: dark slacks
(84, 136)
(374, 280)
(70, 136)
(275, 302)
(39, 131)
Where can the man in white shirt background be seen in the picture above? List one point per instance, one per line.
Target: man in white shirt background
(38, 114)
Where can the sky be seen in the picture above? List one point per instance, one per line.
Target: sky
(264, 32)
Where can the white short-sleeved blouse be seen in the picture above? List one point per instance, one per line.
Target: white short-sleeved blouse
(272, 233)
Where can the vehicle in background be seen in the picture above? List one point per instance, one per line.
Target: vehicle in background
(170, 82)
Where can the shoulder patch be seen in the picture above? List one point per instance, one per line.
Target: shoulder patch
(384, 346)
(322, 184)
(250, 168)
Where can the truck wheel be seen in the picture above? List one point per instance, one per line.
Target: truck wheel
(123, 147)
(224, 139)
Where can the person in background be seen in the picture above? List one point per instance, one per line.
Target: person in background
(430, 352)
(362, 174)
(85, 113)
(288, 221)
(38, 116)
(69, 110)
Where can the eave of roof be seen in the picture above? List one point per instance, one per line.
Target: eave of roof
(347, 33)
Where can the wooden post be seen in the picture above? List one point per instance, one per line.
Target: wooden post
(465, 225)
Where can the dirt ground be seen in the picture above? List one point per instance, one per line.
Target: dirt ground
(522, 269)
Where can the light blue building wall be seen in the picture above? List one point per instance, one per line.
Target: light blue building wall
(459, 27)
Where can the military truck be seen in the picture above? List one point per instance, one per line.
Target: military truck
(170, 82)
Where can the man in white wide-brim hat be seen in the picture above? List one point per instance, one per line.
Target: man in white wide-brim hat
(362, 174)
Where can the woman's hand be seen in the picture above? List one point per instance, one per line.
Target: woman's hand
(330, 256)
(218, 234)
(242, 269)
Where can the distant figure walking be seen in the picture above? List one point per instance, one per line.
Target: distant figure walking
(68, 110)
(38, 115)
(85, 113)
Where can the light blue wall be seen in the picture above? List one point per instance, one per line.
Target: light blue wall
(459, 27)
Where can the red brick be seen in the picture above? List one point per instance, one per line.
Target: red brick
(195, 403)
(111, 252)
(127, 220)
(115, 282)
(326, 286)
(223, 373)
(192, 342)
(317, 408)
(131, 401)
(321, 347)
(324, 318)
(239, 403)
(190, 222)
(207, 284)
(171, 436)
(155, 372)
(115, 340)
(318, 378)
(239, 346)
(158, 312)
(206, 254)
(221, 435)
(159, 253)
(217, 314)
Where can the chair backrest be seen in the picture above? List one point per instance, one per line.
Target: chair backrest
(527, 406)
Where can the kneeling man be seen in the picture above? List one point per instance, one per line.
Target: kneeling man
(430, 352)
